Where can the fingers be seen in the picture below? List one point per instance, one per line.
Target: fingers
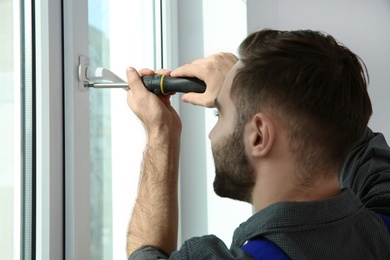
(137, 88)
(155, 112)
(132, 74)
(137, 94)
(199, 67)
(198, 99)
(134, 80)
(163, 72)
(188, 70)
(145, 72)
(213, 71)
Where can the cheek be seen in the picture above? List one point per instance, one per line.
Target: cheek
(212, 133)
(221, 129)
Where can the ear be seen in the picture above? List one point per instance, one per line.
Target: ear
(261, 135)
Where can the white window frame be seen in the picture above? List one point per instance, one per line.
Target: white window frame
(49, 138)
(76, 102)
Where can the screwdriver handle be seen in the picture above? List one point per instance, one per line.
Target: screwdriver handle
(163, 85)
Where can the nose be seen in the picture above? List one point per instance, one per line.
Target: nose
(211, 133)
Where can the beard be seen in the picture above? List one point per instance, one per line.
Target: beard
(234, 176)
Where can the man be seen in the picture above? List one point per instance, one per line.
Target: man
(290, 111)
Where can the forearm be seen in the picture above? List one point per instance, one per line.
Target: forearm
(155, 216)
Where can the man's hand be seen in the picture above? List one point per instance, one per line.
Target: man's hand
(154, 221)
(155, 112)
(213, 71)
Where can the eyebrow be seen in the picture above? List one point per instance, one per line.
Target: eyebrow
(218, 106)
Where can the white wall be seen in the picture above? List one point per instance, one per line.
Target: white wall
(361, 25)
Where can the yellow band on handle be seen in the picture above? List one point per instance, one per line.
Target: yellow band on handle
(162, 84)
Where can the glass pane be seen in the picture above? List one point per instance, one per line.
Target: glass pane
(7, 188)
(121, 34)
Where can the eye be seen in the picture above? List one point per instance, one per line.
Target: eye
(216, 113)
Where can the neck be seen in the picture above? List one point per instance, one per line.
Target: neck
(267, 193)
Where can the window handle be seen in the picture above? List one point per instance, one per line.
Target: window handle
(97, 77)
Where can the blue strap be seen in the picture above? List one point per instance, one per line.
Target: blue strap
(385, 219)
(261, 248)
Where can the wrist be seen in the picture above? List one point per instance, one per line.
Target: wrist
(163, 152)
(164, 135)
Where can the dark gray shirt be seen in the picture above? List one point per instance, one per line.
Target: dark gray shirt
(367, 172)
(343, 227)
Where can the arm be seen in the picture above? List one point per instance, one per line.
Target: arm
(155, 216)
(367, 172)
(154, 219)
(212, 70)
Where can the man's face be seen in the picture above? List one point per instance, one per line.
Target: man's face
(234, 174)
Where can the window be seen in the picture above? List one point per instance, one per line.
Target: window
(121, 33)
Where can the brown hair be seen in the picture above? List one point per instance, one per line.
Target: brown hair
(317, 86)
